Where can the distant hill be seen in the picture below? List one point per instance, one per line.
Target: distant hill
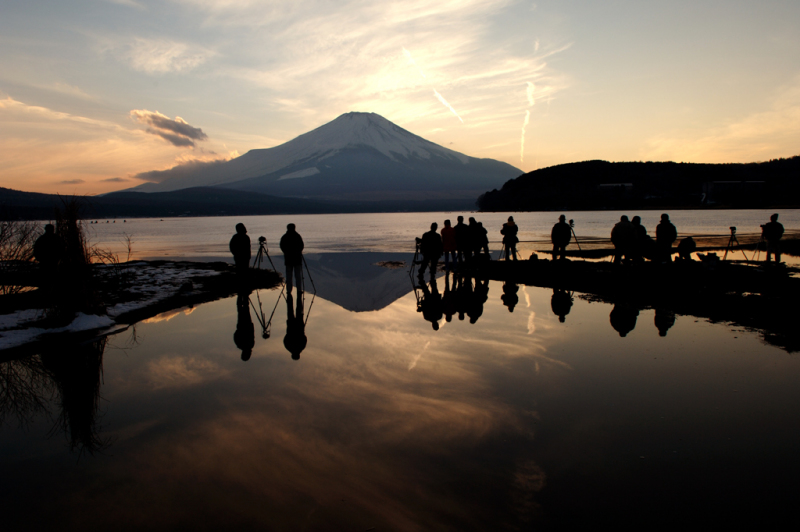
(200, 201)
(597, 185)
(356, 157)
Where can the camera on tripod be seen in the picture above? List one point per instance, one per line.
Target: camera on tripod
(733, 229)
(262, 239)
(572, 223)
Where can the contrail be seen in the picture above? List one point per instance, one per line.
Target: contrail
(522, 140)
(444, 102)
(411, 60)
(531, 88)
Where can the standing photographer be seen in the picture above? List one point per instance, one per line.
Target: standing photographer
(292, 246)
(240, 248)
(772, 233)
(560, 236)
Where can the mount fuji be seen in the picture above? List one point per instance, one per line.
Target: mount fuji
(356, 157)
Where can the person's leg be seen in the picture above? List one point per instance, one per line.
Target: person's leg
(289, 278)
(298, 277)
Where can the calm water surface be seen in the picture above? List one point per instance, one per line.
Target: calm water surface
(498, 420)
(204, 238)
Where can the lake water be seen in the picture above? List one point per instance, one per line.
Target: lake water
(508, 417)
(205, 238)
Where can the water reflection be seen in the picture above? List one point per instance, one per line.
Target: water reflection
(245, 336)
(295, 339)
(503, 424)
(62, 383)
(664, 320)
(623, 318)
(510, 297)
(561, 303)
(430, 302)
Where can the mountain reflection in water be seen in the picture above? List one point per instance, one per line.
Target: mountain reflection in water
(497, 420)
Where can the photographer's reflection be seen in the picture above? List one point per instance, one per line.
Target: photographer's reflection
(664, 320)
(479, 296)
(561, 303)
(431, 304)
(510, 297)
(449, 303)
(245, 336)
(623, 318)
(295, 340)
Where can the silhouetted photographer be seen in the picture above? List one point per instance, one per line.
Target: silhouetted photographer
(509, 232)
(772, 233)
(561, 303)
(430, 246)
(292, 246)
(560, 236)
(240, 248)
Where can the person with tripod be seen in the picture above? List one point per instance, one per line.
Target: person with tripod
(292, 246)
(240, 248)
(772, 233)
(560, 236)
(430, 245)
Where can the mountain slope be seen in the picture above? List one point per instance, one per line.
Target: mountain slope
(358, 156)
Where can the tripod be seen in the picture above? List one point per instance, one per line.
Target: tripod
(262, 251)
(572, 228)
(729, 247)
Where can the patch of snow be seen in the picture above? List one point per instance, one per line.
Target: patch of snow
(18, 318)
(81, 323)
(300, 173)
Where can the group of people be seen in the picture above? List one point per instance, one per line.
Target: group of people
(462, 244)
(291, 245)
(632, 242)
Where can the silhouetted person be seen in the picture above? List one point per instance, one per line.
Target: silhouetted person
(664, 320)
(560, 236)
(639, 239)
(623, 318)
(295, 340)
(240, 248)
(448, 244)
(431, 248)
(622, 236)
(292, 246)
(479, 296)
(449, 303)
(431, 304)
(561, 303)
(509, 232)
(666, 234)
(772, 232)
(245, 336)
(474, 238)
(47, 251)
(686, 247)
(482, 241)
(463, 250)
(510, 297)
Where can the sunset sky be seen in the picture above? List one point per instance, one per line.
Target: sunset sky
(94, 92)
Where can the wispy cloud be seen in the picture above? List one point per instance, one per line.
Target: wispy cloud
(522, 139)
(444, 102)
(176, 131)
(529, 91)
(411, 60)
(158, 56)
(115, 180)
(72, 181)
